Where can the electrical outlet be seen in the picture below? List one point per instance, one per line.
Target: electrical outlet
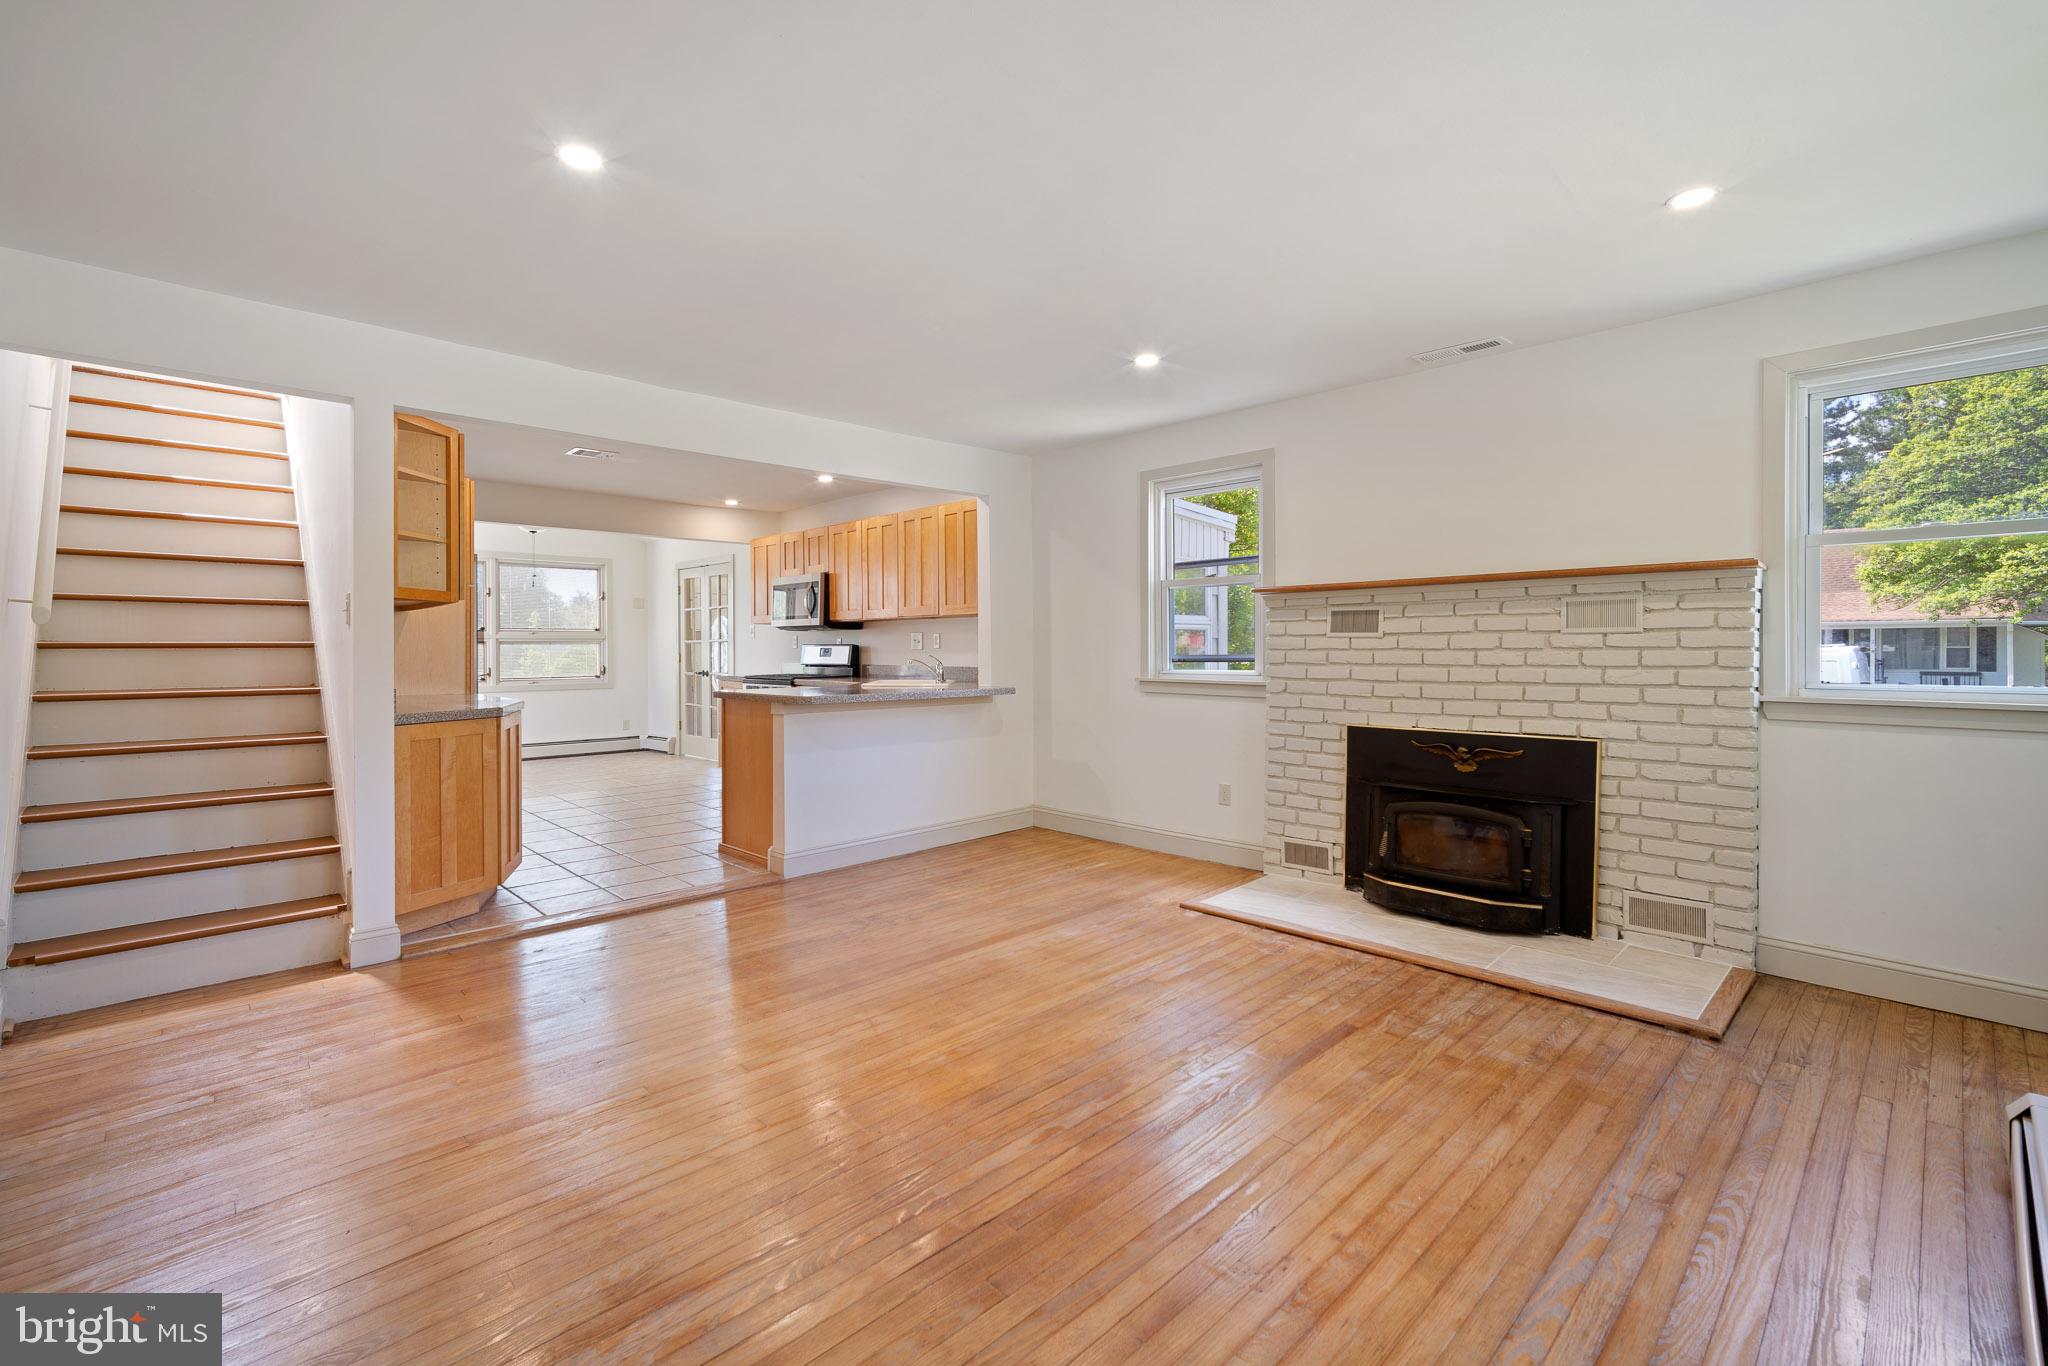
(626, 724)
(935, 640)
(1223, 794)
(917, 640)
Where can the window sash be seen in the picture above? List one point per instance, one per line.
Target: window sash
(1169, 576)
(1811, 394)
(495, 635)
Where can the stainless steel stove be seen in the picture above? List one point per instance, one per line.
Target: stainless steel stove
(817, 666)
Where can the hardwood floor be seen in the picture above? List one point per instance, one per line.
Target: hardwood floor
(1005, 1101)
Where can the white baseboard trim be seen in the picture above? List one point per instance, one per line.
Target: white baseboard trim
(660, 744)
(373, 945)
(1147, 837)
(554, 749)
(829, 856)
(1962, 993)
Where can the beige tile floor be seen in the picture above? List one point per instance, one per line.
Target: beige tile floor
(604, 829)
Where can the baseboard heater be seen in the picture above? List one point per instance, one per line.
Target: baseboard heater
(2029, 1116)
(554, 749)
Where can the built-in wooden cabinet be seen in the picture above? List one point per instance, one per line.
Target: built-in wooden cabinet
(911, 565)
(919, 529)
(959, 559)
(430, 550)
(881, 542)
(458, 809)
(846, 564)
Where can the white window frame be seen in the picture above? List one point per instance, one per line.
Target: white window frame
(1156, 489)
(495, 636)
(1792, 655)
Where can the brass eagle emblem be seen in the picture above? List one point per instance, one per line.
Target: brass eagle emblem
(1463, 759)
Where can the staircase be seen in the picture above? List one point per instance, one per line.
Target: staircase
(178, 821)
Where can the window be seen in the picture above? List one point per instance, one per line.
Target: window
(1206, 533)
(1921, 527)
(545, 624)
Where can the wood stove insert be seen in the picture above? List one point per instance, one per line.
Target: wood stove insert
(1495, 832)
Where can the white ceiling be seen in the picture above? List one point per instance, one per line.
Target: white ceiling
(959, 219)
(514, 454)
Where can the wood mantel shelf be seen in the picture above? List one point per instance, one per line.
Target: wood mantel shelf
(1442, 580)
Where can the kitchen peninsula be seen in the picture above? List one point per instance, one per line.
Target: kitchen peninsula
(818, 777)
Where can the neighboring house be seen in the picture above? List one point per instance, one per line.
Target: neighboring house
(1201, 621)
(1862, 642)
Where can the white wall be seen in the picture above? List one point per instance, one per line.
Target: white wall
(1639, 444)
(27, 388)
(320, 438)
(84, 313)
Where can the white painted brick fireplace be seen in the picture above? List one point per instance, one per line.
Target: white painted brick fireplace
(1672, 696)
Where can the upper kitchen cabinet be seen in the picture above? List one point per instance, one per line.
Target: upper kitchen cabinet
(959, 559)
(881, 547)
(846, 565)
(919, 530)
(792, 554)
(431, 551)
(817, 550)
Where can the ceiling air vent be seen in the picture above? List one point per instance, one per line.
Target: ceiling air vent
(1603, 614)
(1665, 915)
(1354, 621)
(1304, 854)
(1460, 351)
(590, 453)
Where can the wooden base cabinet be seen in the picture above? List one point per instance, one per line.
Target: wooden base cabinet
(458, 788)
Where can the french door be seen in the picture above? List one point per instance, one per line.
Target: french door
(703, 652)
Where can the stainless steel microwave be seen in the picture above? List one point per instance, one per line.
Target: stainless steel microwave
(803, 602)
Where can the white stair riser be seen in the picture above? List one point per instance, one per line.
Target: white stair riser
(92, 491)
(102, 574)
(98, 532)
(50, 781)
(171, 718)
(89, 417)
(175, 396)
(174, 621)
(84, 983)
(139, 901)
(62, 670)
(66, 844)
(126, 455)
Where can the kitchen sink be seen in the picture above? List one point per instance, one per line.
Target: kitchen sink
(901, 684)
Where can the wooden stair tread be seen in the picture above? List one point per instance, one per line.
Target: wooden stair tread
(174, 645)
(80, 434)
(162, 865)
(172, 801)
(183, 556)
(172, 694)
(217, 518)
(179, 597)
(111, 372)
(166, 411)
(94, 943)
(185, 480)
(98, 749)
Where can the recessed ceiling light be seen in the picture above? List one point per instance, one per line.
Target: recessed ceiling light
(577, 157)
(732, 502)
(1696, 197)
(1145, 360)
(824, 478)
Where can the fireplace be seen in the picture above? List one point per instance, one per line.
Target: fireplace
(1496, 832)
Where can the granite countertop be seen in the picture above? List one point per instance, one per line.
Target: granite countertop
(846, 696)
(419, 708)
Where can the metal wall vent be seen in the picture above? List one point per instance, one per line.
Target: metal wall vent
(1354, 621)
(1665, 915)
(1303, 854)
(590, 453)
(1604, 614)
(1462, 349)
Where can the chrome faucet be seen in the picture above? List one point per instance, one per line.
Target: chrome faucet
(933, 663)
